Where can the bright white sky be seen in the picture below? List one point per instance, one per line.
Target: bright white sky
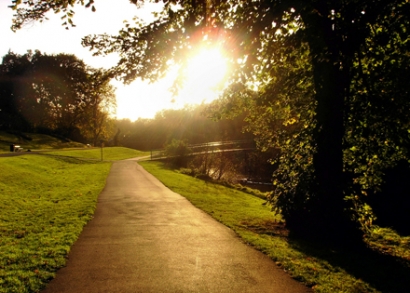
(137, 100)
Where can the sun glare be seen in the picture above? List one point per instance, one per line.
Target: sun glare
(204, 81)
(205, 75)
(208, 68)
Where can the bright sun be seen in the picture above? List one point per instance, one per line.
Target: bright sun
(204, 80)
(205, 74)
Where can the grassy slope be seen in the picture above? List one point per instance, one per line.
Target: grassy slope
(45, 201)
(324, 269)
(108, 154)
(38, 142)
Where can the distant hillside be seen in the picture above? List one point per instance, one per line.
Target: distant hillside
(34, 141)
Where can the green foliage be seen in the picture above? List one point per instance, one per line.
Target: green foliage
(43, 89)
(45, 203)
(281, 116)
(96, 123)
(177, 152)
(284, 112)
(55, 94)
(190, 124)
(388, 241)
(377, 136)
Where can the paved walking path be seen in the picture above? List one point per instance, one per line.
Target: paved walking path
(146, 238)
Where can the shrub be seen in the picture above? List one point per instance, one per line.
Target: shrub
(177, 152)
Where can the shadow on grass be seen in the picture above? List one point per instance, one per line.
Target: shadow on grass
(385, 273)
(74, 160)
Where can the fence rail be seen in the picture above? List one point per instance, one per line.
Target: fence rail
(211, 147)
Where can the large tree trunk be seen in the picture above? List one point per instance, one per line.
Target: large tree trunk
(326, 212)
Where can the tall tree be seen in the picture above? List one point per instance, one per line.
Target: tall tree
(12, 71)
(59, 82)
(46, 90)
(331, 37)
(56, 93)
(99, 106)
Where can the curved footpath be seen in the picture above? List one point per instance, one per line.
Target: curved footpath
(146, 238)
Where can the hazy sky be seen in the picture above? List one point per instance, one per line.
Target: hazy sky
(136, 100)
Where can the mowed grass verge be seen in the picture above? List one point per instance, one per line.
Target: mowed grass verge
(37, 142)
(107, 153)
(45, 201)
(322, 268)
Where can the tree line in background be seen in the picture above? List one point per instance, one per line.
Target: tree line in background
(173, 131)
(191, 124)
(60, 95)
(55, 94)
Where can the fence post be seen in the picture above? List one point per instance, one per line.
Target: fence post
(102, 146)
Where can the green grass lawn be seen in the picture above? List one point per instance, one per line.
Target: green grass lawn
(37, 142)
(107, 153)
(322, 268)
(45, 202)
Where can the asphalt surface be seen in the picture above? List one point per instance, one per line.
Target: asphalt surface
(146, 238)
